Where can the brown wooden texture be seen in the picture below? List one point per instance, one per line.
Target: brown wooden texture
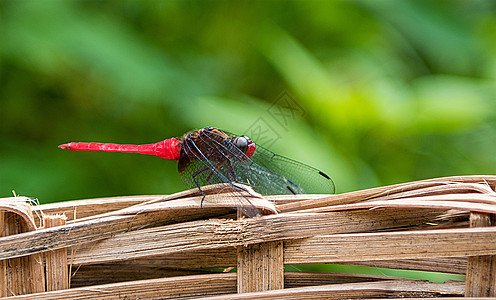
(22, 275)
(57, 275)
(436, 186)
(119, 231)
(260, 267)
(381, 289)
(118, 272)
(163, 288)
(121, 272)
(317, 249)
(392, 245)
(481, 270)
(79, 209)
(214, 234)
(301, 279)
(152, 267)
(225, 285)
(419, 225)
(189, 204)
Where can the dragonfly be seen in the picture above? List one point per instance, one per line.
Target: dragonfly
(211, 156)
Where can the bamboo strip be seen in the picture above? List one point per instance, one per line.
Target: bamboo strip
(260, 267)
(419, 188)
(118, 272)
(115, 225)
(481, 270)
(226, 258)
(85, 208)
(199, 259)
(463, 202)
(213, 234)
(221, 234)
(392, 245)
(24, 275)
(218, 197)
(324, 249)
(99, 206)
(90, 207)
(460, 184)
(84, 232)
(121, 233)
(170, 288)
(381, 289)
(225, 284)
(19, 206)
(57, 277)
(301, 279)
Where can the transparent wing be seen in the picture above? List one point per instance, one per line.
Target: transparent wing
(196, 173)
(302, 178)
(266, 172)
(217, 160)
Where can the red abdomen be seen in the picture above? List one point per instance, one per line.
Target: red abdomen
(166, 149)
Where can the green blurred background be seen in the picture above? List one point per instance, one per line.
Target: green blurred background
(386, 91)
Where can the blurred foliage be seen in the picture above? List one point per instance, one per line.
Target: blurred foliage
(389, 90)
(417, 275)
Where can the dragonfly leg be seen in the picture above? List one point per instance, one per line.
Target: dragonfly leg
(250, 210)
(291, 190)
(197, 185)
(230, 171)
(217, 167)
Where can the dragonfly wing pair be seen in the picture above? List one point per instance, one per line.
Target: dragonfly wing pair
(264, 171)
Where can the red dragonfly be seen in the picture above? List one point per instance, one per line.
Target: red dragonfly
(210, 156)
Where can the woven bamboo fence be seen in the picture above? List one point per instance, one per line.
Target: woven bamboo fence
(150, 247)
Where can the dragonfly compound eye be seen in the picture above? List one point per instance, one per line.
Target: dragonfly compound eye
(242, 142)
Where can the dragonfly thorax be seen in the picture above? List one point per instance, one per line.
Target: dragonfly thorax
(213, 144)
(207, 143)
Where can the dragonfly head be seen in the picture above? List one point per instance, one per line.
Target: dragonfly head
(246, 145)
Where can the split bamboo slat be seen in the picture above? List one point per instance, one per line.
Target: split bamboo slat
(24, 274)
(481, 270)
(260, 267)
(57, 276)
(176, 247)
